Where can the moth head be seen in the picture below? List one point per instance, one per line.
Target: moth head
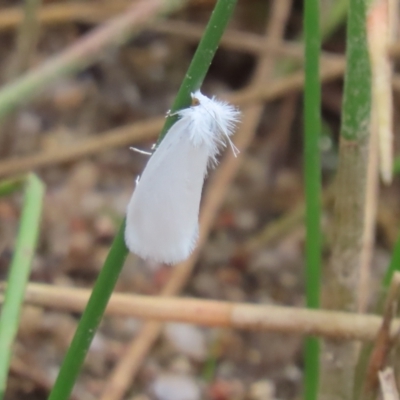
(216, 118)
(195, 98)
(195, 101)
(198, 99)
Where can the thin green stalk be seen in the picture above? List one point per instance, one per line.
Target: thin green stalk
(396, 166)
(8, 186)
(91, 318)
(312, 166)
(202, 59)
(108, 276)
(338, 359)
(335, 15)
(332, 16)
(357, 89)
(19, 272)
(394, 264)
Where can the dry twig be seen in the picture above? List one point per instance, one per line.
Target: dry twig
(388, 384)
(26, 40)
(371, 205)
(118, 137)
(258, 317)
(58, 13)
(383, 340)
(133, 133)
(379, 37)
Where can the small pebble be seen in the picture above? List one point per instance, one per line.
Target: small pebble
(104, 227)
(140, 397)
(187, 339)
(69, 95)
(246, 220)
(181, 365)
(175, 387)
(227, 390)
(262, 390)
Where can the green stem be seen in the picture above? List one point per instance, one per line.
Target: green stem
(8, 186)
(334, 17)
(342, 272)
(19, 272)
(91, 318)
(394, 264)
(357, 87)
(312, 128)
(396, 166)
(107, 279)
(205, 52)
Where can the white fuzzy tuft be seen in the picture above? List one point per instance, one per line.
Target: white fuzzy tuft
(212, 122)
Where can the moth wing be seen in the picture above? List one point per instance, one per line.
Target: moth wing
(162, 215)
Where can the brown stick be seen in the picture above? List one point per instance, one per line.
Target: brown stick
(388, 384)
(250, 42)
(28, 34)
(25, 47)
(383, 340)
(118, 137)
(149, 129)
(333, 324)
(371, 204)
(55, 14)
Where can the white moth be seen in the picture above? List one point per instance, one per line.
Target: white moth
(162, 215)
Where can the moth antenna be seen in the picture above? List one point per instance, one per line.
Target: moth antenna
(147, 153)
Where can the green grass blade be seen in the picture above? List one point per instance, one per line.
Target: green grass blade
(396, 166)
(338, 375)
(8, 186)
(19, 272)
(91, 318)
(393, 266)
(111, 269)
(312, 128)
(334, 18)
(357, 85)
(202, 59)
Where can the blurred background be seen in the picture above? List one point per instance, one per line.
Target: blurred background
(254, 252)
